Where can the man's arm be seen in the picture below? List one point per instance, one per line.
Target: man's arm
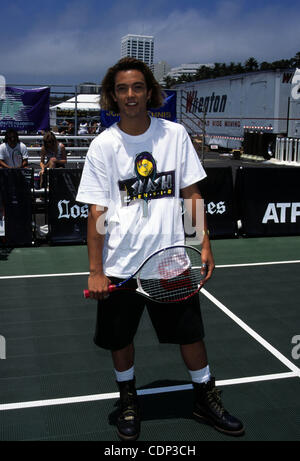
(3, 164)
(25, 156)
(63, 159)
(194, 206)
(2, 157)
(98, 282)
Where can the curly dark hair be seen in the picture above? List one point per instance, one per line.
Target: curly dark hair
(108, 84)
(11, 132)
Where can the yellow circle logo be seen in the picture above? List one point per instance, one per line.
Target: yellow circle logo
(145, 166)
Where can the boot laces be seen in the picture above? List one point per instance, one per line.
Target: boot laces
(129, 407)
(214, 398)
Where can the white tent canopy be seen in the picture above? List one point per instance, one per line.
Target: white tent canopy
(84, 102)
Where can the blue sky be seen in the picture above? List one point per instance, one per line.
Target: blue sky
(71, 41)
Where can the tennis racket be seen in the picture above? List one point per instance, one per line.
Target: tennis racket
(171, 274)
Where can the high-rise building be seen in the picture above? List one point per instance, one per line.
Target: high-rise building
(160, 70)
(138, 46)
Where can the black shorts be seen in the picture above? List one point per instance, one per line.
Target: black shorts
(119, 315)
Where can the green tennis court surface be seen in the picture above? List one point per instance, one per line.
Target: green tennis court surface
(55, 384)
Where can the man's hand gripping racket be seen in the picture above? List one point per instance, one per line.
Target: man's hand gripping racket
(171, 274)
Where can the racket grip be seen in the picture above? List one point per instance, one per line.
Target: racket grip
(86, 293)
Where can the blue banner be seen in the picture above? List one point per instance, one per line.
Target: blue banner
(25, 110)
(167, 111)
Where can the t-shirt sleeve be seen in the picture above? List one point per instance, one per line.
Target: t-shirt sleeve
(24, 152)
(94, 187)
(192, 170)
(2, 151)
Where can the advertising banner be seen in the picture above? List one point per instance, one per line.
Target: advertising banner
(67, 218)
(269, 201)
(25, 110)
(218, 193)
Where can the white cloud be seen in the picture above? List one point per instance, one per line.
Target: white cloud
(77, 47)
(226, 35)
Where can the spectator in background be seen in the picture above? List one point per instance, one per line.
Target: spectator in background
(93, 128)
(71, 129)
(83, 128)
(13, 153)
(53, 154)
(62, 131)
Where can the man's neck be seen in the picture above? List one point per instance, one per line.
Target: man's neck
(134, 127)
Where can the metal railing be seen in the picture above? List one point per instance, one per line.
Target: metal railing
(76, 146)
(287, 151)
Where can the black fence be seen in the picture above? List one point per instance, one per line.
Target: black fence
(263, 202)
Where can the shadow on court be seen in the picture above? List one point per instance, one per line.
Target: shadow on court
(169, 405)
(4, 253)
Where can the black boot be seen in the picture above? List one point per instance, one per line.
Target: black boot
(128, 423)
(208, 407)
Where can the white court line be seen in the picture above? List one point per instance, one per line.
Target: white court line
(158, 390)
(252, 333)
(258, 264)
(71, 274)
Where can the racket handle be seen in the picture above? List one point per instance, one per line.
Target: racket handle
(111, 288)
(86, 294)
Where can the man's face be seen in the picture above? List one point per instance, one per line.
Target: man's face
(12, 140)
(131, 93)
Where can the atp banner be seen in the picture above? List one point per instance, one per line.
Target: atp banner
(218, 194)
(25, 110)
(67, 218)
(167, 111)
(269, 201)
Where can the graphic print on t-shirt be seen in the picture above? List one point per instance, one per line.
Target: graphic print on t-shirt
(148, 184)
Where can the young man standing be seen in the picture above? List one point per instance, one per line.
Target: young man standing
(134, 175)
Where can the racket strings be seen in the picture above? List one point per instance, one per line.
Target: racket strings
(171, 290)
(177, 274)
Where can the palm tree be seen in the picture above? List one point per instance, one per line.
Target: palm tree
(239, 68)
(295, 62)
(168, 82)
(217, 70)
(251, 65)
(266, 66)
(282, 64)
(203, 73)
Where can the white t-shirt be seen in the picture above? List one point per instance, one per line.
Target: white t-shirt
(13, 156)
(83, 129)
(139, 179)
